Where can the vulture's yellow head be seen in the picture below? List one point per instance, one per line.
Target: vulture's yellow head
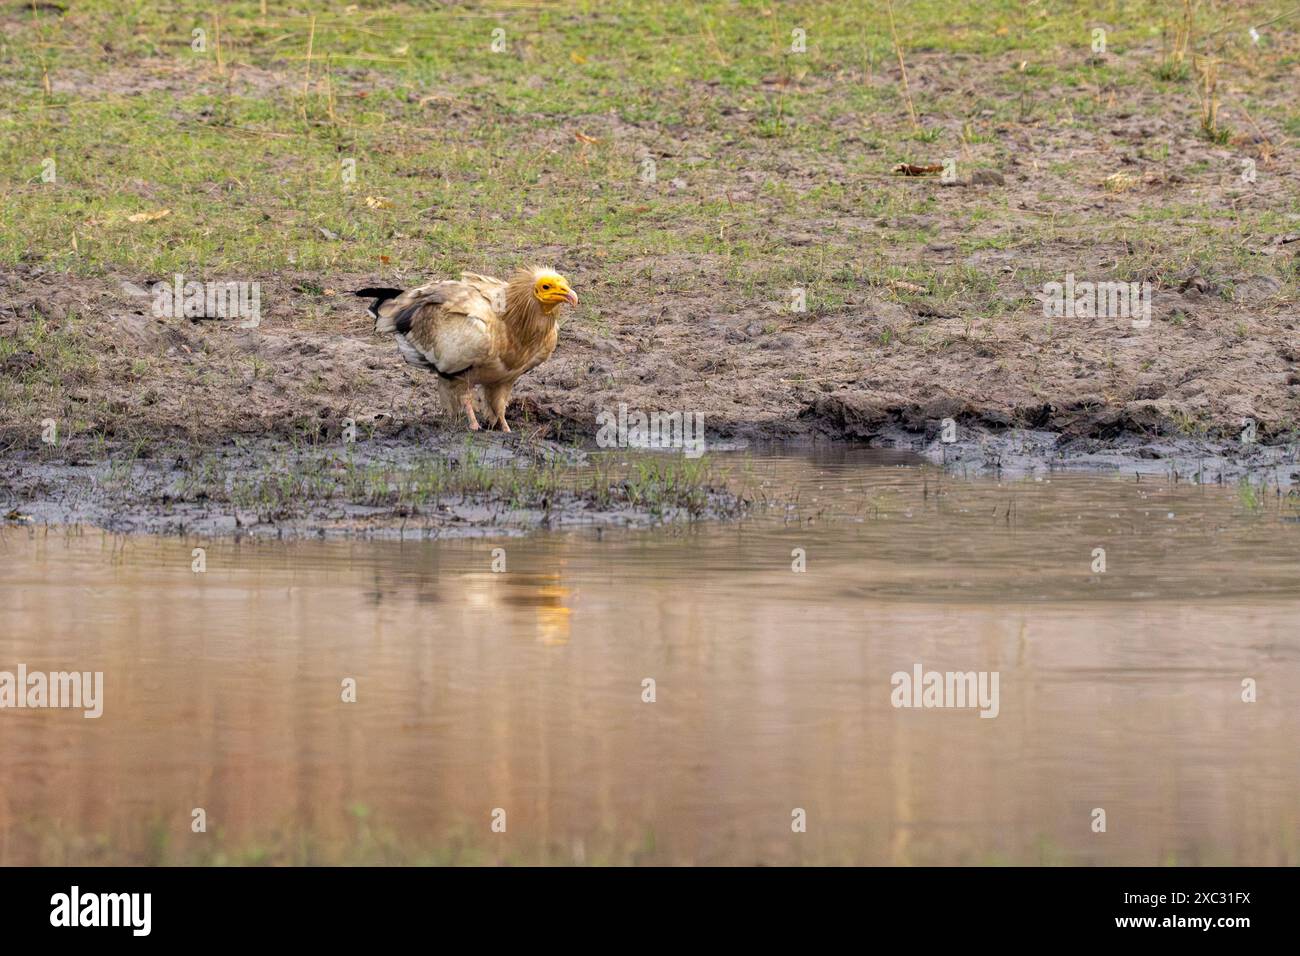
(551, 289)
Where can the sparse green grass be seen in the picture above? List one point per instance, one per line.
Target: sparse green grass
(251, 168)
(1249, 496)
(300, 481)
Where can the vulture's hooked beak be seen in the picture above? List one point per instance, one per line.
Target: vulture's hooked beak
(570, 297)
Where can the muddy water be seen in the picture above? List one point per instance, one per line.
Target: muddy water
(523, 691)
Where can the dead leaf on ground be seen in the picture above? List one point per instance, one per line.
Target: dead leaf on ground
(149, 216)
(898, 285)
(379, 202)
(911, 169)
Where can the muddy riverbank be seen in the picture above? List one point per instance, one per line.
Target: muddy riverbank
(445, 486)
(308, 425)
(89, 355)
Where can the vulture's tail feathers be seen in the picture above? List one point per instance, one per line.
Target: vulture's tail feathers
(380, 296)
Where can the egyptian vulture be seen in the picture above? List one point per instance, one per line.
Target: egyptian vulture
(475, 331)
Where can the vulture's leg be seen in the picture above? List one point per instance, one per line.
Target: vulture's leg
(467, 399)
(449, 400)
(458, 396)
(497, 396)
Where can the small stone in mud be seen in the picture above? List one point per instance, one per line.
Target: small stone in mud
(927, 311)
(994, 418)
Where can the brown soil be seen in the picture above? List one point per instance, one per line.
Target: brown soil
(314, 362)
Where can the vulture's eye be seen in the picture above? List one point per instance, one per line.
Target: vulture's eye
(546, 288)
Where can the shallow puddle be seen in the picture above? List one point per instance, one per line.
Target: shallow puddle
(523, 690)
